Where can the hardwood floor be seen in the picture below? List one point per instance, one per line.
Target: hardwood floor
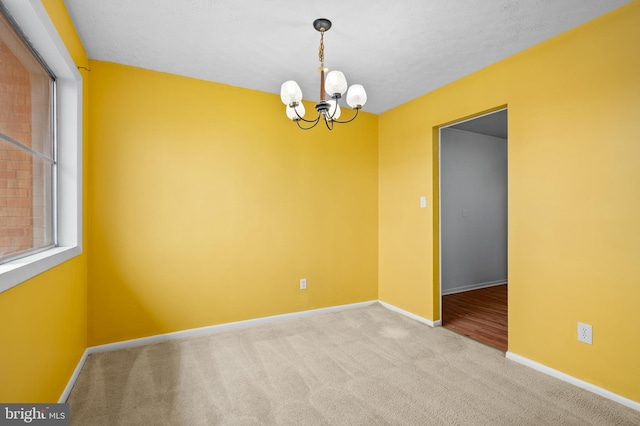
(480, 314)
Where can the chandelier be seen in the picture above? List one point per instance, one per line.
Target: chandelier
(335, 86)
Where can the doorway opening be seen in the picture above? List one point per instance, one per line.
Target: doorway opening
(473, 227)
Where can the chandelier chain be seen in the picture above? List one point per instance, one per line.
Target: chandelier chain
(321, 49)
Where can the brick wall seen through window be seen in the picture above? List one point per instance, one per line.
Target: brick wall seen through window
(25, 179)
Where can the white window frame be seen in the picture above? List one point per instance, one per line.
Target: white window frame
(35, 24)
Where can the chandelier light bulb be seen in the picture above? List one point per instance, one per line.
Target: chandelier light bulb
(336, 82)
(356, 96)
(290, 92)
(291, 112)
(334, 109)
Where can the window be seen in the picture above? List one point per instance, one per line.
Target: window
(52, 232)
(27, 164)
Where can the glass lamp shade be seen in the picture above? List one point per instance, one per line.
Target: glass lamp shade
(335, 82)
(356, 97)
(291, 112)
(290, 92)
(334, 109)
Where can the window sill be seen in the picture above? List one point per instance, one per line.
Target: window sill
(20, 270)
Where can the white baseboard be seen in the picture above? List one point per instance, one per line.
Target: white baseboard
(74, 377)
(576, 382)
(410, 315)
(220, 327)
(473, 287)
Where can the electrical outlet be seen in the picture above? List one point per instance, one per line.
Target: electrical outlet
(585, 333)
(303, 283)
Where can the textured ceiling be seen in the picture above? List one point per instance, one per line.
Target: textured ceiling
(398, 50)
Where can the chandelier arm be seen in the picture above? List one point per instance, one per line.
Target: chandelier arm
(349, 120)
(330, 114)
(304, 119)
(315, 123)
(329, 124)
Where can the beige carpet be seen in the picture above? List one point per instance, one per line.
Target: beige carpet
(365, 366)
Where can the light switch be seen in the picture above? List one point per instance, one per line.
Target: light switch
(423, 202)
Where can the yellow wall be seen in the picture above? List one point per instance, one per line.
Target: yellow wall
(43, 322)
(574, 234)
(208, 205)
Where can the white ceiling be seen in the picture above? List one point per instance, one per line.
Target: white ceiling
(398, 50)
(493, 124)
